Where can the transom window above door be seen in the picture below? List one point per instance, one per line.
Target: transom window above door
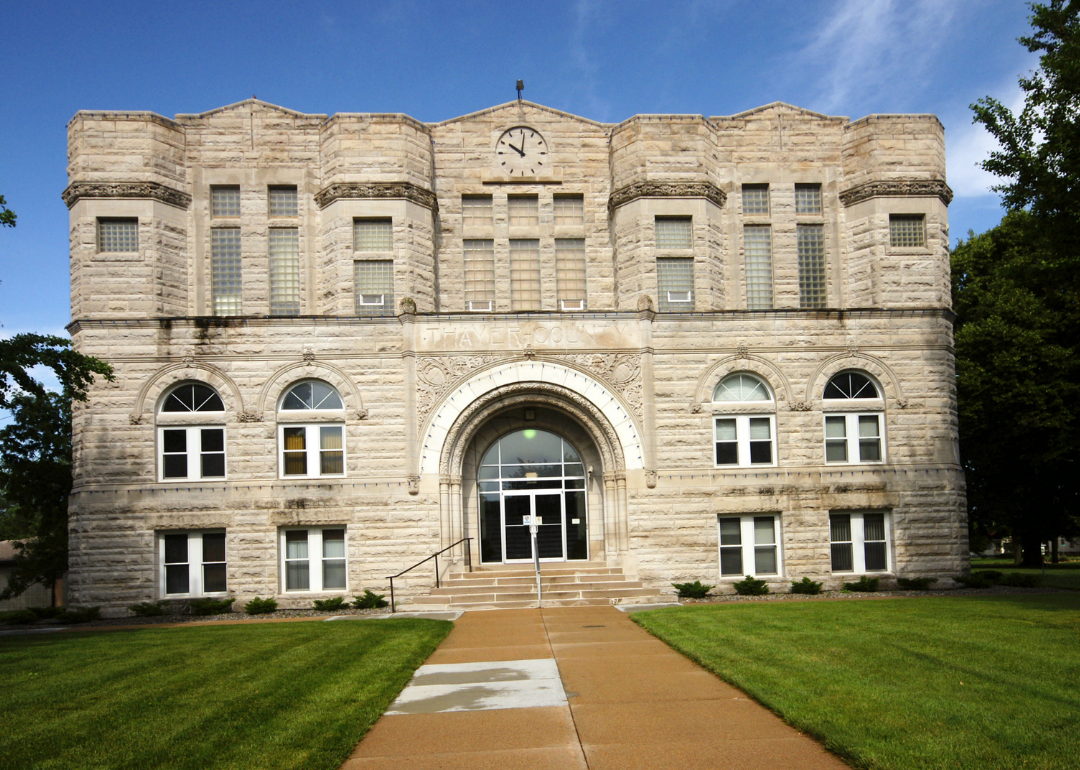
(312, 394)
(192, 397)
(525, 459)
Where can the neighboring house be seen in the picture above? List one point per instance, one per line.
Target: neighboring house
(37, 595)
(690, 347)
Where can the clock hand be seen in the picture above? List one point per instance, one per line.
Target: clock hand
(515, 149)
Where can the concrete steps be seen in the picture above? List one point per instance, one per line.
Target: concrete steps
(513, 587)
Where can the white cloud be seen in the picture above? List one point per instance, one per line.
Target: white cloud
(968, 144)
(861, 47)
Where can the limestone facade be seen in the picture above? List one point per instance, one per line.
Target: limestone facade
(626, 371)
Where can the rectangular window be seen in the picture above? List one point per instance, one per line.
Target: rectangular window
(225, 283)
(524, 210)
(374, 286)
(283, 201)
(118, 235)
(191, 453)
(476, 210)
(745, 440)
(479, 273)
(808, 199)
(859, 542)
(524, 275)
(225, 201)
(854, 438)
(192, 563)
(674, 232)
(285, 271)
(907, 231)
(569, 210)
(757, 240)
(811, 245)
(314, 559)
(570, 273)
(675, 284)
(749, 546)
(311, 451)
(755, 199)
(373, 235)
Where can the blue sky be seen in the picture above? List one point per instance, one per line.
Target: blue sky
(601, 59)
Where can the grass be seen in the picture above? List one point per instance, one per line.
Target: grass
(268, 696)
(1062, 575)
(987, 682)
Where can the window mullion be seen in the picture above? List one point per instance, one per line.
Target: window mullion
(858, 544)
(746, 527)
(315, 554)
(195, 566)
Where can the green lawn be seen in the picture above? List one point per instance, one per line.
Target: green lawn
(987, 682)
(276, 695)
(1062, 575)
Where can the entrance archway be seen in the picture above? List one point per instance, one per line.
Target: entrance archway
(532, 475)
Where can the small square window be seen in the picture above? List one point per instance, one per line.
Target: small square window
(118, 235)
(373, 283)
(524, 210)
(283, 201)
(373, 235)
(675, 285)
(907, 231)
(674, 232)
(755, 199)
(225, 201)
(476, 210)
(808, 199)
(570, 210)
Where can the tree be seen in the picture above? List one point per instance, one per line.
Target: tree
(35, 449)
(1016, 292)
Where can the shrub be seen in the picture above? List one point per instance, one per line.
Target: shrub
(695, 590)
(992, 575)
(805, 586)
(259, 606)
(47, 613)
(370, 601)
(863, 585)
(329, 605)
(19, 617)
(751, 587)
(1021, 580)
(973, 581)
(149, 609)
(210, 606)
(82, 615)
(915, 584)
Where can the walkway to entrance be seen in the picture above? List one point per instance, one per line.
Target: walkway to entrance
(574, 687)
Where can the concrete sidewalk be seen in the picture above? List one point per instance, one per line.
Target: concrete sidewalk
(574, 688)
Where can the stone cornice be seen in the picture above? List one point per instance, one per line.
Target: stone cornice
(902, 188)
(126, 190)
(630, 192)
(406, 190)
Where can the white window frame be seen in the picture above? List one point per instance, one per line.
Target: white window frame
(858, 543)
(852, 439)
(312, 447)
(742, 439)
(196, 578)
(193, 445)
(749, 546)
(315, 556)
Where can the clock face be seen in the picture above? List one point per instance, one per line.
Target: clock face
(521, 152)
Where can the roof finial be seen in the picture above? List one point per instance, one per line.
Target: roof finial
(520, 88)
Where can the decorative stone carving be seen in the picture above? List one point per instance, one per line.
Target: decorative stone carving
(309, 355)
(902, 403)
(406, 190)
(800, 406)
(188, 360)
(619, 371)
(853, 350)
(529, 352)
(135, 419)
(695, 407)
(645, 302)
(250, 416)
(650, 479)
(361, 414)
(435, 376)
(743, 351)
(408, 305)
(414, 485)
(137, 190)
(903, 188)
(630, 192)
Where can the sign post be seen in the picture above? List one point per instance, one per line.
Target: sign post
(536, 559)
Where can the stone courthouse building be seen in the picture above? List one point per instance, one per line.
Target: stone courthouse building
(684, 347)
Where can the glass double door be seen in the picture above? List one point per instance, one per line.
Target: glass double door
(520, 509)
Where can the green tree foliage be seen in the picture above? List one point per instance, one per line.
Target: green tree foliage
(35, 448)
(1016, 291)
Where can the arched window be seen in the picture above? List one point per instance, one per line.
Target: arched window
(191, 434)
(856, 434)
(311, 431)
(745, 439)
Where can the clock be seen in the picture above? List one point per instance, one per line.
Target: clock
(521, 152)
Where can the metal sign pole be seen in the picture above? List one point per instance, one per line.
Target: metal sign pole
(536, 560)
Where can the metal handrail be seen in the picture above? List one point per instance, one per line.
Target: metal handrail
(468, 562)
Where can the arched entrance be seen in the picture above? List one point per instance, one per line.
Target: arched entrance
(532, 475)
